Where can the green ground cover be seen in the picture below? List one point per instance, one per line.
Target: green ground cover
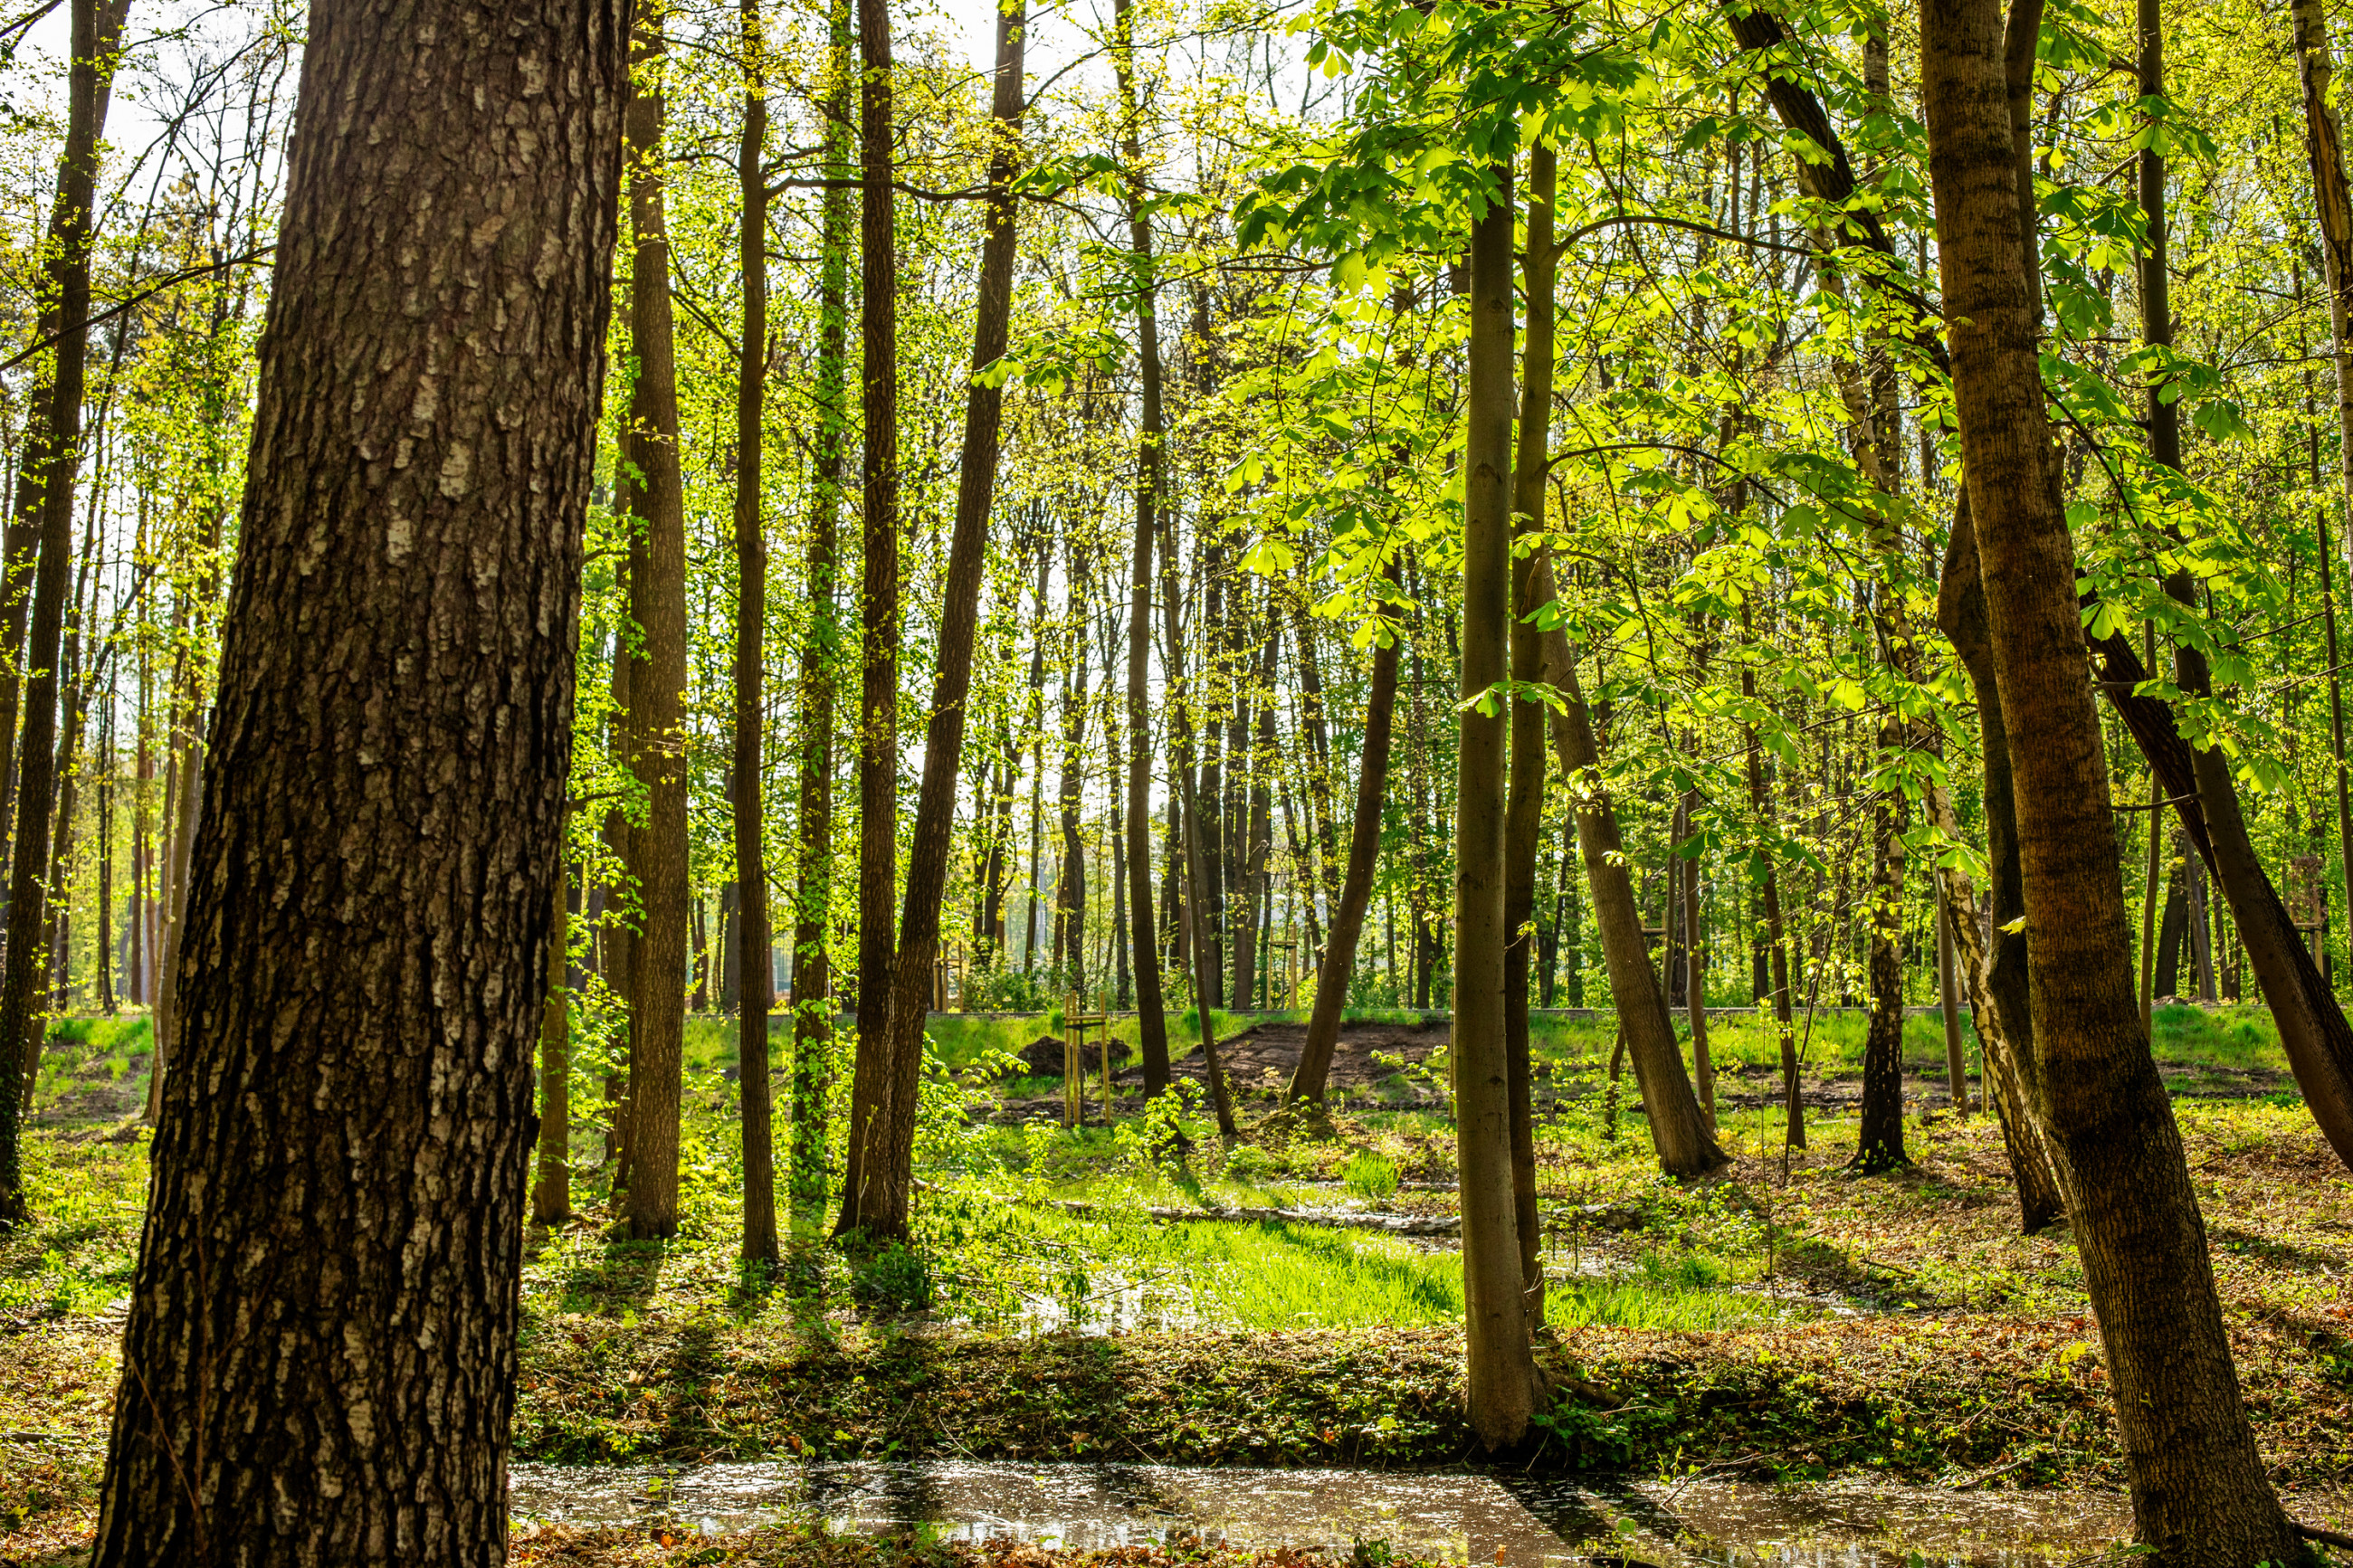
(1784, 1318)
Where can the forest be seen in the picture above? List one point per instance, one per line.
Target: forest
(1150, 781)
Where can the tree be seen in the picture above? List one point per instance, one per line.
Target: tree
(652, 495)
(755, 981)
(53, 456)
(379, 853)
(1504, 1390)
(2199, 1493)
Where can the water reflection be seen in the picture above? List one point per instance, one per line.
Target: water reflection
(1467, 1518)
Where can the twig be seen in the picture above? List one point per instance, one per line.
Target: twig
(1984, 1476)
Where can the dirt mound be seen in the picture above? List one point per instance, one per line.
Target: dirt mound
(1044, 1057)
(1262, 1058)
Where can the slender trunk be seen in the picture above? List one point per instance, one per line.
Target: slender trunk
(343, 1156)
(1152, 1021)
(1684, 869)
(1523, 801)
(1197, 855)
(882, 1166)
(1503, 1388)
(755, 980)
(1761, 801)
(551, 1193)
(1333, 978)
(655, 495)
(879, 587)
(2199, 1493)
(1948, 1006)
(97, 26)
(1679, 1133)
(1071, 883)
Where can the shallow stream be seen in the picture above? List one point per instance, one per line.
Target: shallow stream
(1466, 1518)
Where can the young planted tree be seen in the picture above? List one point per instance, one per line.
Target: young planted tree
(379, 853)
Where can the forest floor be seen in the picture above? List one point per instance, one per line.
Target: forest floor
(1784, 1320)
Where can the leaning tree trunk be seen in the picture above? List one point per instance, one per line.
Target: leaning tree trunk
(1503, 1388)
(2199, 1491)
(97, 27)
(755, 980)
(1308, 1081)
(324, 1318)
(656, 495)
(1679, 1133)
(878, 1202)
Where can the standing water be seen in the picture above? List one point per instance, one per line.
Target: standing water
(1466, 1518)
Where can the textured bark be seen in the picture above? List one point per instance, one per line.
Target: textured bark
(1523, 803)
(2199, 1494)
(1679, 1131)
(812, 970)
(97, 28)
(1309, 1081)
(1502, 1386)
(653, 493)
(879, 587)
(754, 982)
(883, 1148)
(1151, 1004)
(319, 1359)
(1879, 1132)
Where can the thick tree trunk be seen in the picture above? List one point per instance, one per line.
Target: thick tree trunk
(754, 981)
(883, 1147)
(1152, 1008)
(97, 28)
(654, 494)
(325, 1312)
(2199, 1494)
(1502, 1384)
(1333, 977)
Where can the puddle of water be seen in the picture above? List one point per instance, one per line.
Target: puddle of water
(1478, 1519)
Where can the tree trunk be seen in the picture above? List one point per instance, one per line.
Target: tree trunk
(97, 27)
(551, 1193)
(1152, 1014)
(1333, 977)
(1879, 1134)
(654, 493)
(877, 726)
(1524, 801)
(755, 980)
(1502, 1384)
(325, 1312)
(2199, 1494)
(812, 972)
(1679, 1133)
(882, 1166)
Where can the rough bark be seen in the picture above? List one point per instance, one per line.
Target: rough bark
(2199, 1494)
(654, 495)
(320, 1349)
(97, 28)
(755, 980)
(882, 1172)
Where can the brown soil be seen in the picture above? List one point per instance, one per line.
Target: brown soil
(1261, 1059)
